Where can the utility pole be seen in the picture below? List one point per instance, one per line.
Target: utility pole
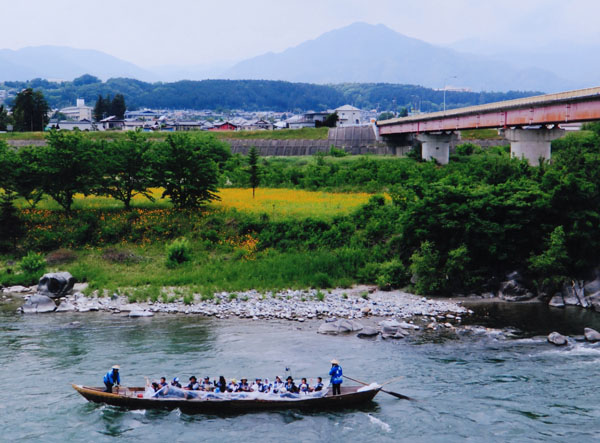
(446, 87)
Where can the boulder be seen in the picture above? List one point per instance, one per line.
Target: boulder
(17, 289)
(573, 295)
(591, 335)
(513, 290)
(557, 339)
(389, 326)
(593, 300)
(140, 313)
(38, 304)
(65, 306)
(557, 301)
(368, 332)
(56, 285)
(592, 287)
(339, 327)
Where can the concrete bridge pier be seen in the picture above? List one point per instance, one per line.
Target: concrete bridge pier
(436, 146)
(532, 144)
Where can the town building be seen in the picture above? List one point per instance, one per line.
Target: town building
(79, 112)
(225, 126)
(348, 116)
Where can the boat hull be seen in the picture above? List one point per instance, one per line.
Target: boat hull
(128, 398)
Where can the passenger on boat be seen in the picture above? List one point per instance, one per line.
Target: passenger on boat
(206, 385)
(193, 384)
(319, 385)
(290, 386)
(162, 382)
(244, 386)
(336, 377)
(257, 386)
(303, 387)
(277, 385)
(233, 386)
(111, 378)
(176, 383)
(221, 385)
(267, 386)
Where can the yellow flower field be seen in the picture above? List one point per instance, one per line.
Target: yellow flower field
(277, 203)
(284, 203)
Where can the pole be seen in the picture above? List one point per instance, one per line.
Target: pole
(445, 97)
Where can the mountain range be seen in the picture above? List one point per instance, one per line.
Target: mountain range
(358, 53)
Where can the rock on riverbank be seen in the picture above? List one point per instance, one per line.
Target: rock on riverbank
(298, 305)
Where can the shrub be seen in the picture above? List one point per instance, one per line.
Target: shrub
(322, 280)
(33, 263)
(179, 251)
(392, 274)
(425, 266)
(337, 152)
(320, 296)
(468, 149)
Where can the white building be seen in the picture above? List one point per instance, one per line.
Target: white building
(79, 112)
(348, 116)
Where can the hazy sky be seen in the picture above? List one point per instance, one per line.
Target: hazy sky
(189, 32)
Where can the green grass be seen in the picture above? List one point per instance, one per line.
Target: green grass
(283, 134)
(149, 278)
(480, 134)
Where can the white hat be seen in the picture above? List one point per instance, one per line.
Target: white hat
(116, 367)
(335, 362)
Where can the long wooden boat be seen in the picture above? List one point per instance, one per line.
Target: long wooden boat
(133, 398)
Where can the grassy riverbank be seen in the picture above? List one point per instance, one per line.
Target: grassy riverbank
(283, 134)
(452, 229)
(101, 243)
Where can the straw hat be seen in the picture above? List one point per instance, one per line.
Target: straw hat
(117, 367)
(335, 362)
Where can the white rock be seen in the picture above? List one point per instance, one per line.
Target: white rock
(140, 313)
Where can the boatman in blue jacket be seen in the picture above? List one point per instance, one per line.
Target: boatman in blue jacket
(336, 377)
(111, 378)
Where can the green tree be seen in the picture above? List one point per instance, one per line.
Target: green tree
(68, 165)
(99, 111)
(426, 269)
(11, 227)
(118, 107)
(30, 111)
(125, 171)
(550, 267)
(86, 79)
(329, 122)
(184, 168)
(386, 115)
(5, 120)
(25, 179)
(253, 169)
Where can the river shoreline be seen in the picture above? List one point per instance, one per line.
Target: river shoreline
(295, 305)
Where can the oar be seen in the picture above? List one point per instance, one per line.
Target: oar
(395, 394)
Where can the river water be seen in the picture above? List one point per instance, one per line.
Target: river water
(474, 388)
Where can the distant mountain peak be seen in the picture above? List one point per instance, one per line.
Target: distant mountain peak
(365, 53)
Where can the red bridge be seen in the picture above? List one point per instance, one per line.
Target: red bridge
(544, 112)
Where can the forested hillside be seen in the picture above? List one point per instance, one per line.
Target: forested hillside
(257, 95)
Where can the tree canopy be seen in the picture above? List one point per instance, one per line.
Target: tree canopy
(30, 111)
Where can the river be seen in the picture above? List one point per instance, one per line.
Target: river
(475, 388)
